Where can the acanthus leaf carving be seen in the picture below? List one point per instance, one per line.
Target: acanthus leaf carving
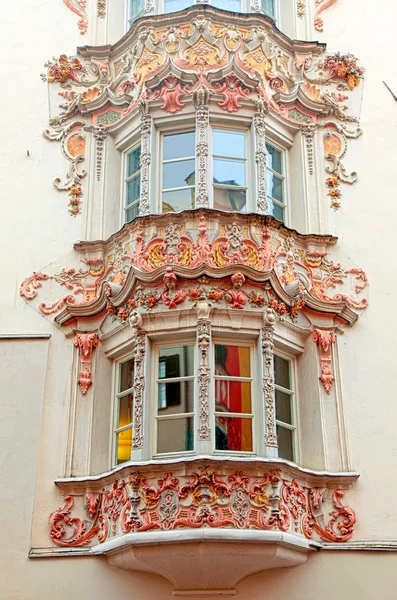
(324, 340)
(86, 343)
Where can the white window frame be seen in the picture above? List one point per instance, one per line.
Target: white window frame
(155, 355)
(283, 176)
(292, 393)
(129, 20)
(219, 126)
(163, 133)
(126, 179)
(115, 417)
(252, 345)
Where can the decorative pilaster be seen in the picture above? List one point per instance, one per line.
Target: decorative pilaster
(146, 128)
(139, 386)
(324, 340)
(260, 159)
(86, 343)
(308, 130)
(203, 309)
(99, 132)
(202, 127)
(269, 318)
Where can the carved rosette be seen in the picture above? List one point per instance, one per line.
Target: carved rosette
(139, 385)
(260, 159)
(202, 126)
(268, 379)
(146, 128)
(203, 342)
(86, 343)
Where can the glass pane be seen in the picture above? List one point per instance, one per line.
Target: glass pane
(175, 435)
(230, 199)
(285, 447)
(131, 213)
(176, 361)
(126, 375)
(179, 145)
(274, 186)
(281, 372)
(123, 446)
(229, 172)
(232, 396)
(175, 397)
(125, 411)
(274, 158)
(276, 210)
(229, 143)
(283, 407)
(233, 433)
(133, 161)
(178, 200)
(233, 361)
(233, 5)
(268, 6)
(133, 190)
(178, 174)
(135, 7)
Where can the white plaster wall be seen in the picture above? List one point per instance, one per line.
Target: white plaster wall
(35, 229)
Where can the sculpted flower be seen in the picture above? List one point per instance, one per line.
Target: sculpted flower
(122, 314)
(334, 193)
(332, 181)
(151, 300)
(216, 294)
(110, 308)
(282, 308)
(193, 293)
(131, 302)
(273, 303)
(257, 299)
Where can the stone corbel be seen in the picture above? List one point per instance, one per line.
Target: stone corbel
(139, 386)
(146, 129)
(269, 319)
(86, 343)
(260, 160)
(202, 127)
(324, 340)
(203, 309)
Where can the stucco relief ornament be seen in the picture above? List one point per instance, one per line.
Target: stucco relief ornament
(324, 340)
(236, 296)
(86, 343)
(171, 297)
(79, 8)
(203, 342)
(139, 385)
(269, 320)
(321, 6)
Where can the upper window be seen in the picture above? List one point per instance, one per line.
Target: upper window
(124, 410)
(175, 5)
(285, 418)
(269, 7)
(178, 171)
(133, 184)
(136, 10)
(229, 166)
(275, 181)
(136, 7)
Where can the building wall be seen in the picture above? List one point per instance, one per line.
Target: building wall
(35, 373)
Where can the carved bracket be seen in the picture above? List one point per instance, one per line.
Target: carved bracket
(324, 340)
(86, 343)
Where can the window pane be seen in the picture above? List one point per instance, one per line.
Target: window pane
(125, 411)
(175, 397)
(233, 433)
(281, 372)
(229, 172)
(274, 186)
(276, 210)
(233, 5)
(274, 158)
(178, 200)
(232, 396)
(133, 161)
(131, 213)
(123, 445)
(233, 361)
(179, 145)
(178, 174)
(230, 199)
(285, 447)
(135, 7)
(133, 190)
(126, 375)
(283, 407)
(176, 361)
(229, 143)
(175, 435)
(268, 6)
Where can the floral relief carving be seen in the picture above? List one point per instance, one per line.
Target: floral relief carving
(324, 340)
(202, 498)
(86, 343)
(232, 91)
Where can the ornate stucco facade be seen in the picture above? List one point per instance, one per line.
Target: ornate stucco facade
(197, 366)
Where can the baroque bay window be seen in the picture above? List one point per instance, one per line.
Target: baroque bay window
(132, 184)
(229, 167)
(178, 171)
(275, 181)
(285, 409)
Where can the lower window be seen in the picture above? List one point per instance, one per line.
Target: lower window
(286, 429)
(124, 410)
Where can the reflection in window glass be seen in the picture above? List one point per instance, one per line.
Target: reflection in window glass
(133, 184)
(229, 160)
(233, 393)
(232, 5)
(124, 411)
(268, 7)
(136, 10)
(175, 398)
(175, 5)
(275, 182)
(284, 408)
(178, 172)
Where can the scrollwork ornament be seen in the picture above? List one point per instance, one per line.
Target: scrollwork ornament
(139, 385)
